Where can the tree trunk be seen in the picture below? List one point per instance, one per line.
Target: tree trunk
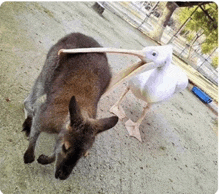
(157, 33)
(183, 25)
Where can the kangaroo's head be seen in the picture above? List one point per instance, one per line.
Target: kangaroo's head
(77, 138)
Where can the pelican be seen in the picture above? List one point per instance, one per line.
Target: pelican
(152, 82)
(152, 86)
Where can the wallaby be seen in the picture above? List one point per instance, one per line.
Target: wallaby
(72, 85)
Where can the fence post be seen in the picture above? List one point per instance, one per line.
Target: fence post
(147, 16)
(206, 59)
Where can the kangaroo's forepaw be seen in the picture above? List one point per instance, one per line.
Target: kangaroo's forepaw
(43, 159)
(28, 157)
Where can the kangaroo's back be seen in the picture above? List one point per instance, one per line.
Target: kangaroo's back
(69, 65)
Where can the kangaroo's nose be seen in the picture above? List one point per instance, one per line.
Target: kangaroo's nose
(60, 174)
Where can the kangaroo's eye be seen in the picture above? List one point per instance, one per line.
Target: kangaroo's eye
(154, 53)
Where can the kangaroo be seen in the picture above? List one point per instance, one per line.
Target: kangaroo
(72, 85)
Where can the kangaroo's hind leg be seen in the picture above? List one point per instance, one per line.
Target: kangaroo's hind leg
(27, 126)
(36, 92)
(34, 134)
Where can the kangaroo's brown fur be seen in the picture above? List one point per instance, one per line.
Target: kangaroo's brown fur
(73, 85)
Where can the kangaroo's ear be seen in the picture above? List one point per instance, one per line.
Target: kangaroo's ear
(105, 124)
(75, 114)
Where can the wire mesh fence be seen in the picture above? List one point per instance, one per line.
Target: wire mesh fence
(144, 17)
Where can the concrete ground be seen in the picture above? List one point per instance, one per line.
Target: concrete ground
(179, 149)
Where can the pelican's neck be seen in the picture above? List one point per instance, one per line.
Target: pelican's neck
(166, 64)
(164, 67)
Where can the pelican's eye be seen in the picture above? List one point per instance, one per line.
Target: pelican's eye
(154, 53)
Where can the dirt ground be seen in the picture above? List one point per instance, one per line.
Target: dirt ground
(179, 149)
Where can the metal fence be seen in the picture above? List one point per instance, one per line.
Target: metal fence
(141, 18)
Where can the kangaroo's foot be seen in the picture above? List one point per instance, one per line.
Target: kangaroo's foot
(28, 157)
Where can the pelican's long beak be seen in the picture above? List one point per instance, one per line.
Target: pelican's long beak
(138, 53)
(124, 75)
(129, 72)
